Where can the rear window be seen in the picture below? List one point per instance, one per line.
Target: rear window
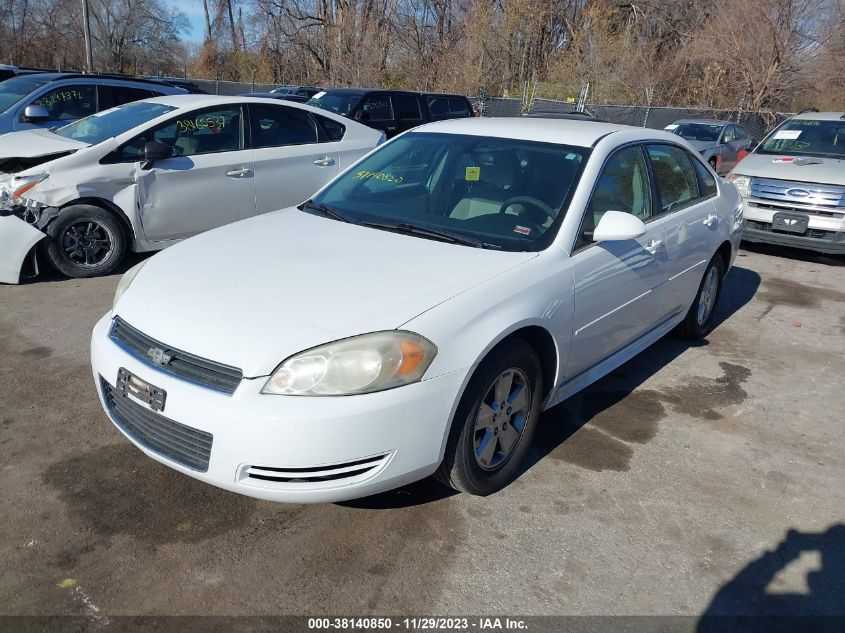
(458, 106)
(438, 106)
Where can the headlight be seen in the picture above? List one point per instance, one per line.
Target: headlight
(22, 184)
(361, 364)
(742, 183)
(127, 279)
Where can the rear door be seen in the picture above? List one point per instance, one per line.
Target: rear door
(293, 155)
(617, 283)
(408, 111)
(208, 182)
(685, 192)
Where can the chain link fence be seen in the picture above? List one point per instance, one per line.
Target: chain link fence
(758, 124)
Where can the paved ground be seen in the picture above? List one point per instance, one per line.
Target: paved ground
(659, 491)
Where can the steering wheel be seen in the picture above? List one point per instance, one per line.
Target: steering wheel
(532, 202)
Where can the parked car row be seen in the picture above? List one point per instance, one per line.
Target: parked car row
(373, 312)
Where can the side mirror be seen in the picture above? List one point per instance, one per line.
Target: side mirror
(618, 226)
(155, 151)
(34, 113)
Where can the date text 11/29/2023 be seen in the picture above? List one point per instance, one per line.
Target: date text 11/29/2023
(418, 624)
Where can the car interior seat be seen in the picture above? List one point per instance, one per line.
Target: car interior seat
(496, 175)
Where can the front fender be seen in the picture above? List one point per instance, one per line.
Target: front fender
(16, 239)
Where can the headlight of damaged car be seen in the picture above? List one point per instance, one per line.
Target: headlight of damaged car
(357, 365)
(128, 278)
(22, 184)
(742, 183)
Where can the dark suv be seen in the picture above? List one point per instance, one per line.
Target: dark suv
(55, 99)
(392, 111)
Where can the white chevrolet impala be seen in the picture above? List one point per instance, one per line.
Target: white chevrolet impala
(419, 312)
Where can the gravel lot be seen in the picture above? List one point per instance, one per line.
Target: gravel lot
(664, 489)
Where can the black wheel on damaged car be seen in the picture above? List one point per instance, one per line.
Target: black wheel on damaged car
(494, 422)
(699, 320)
(85, 241)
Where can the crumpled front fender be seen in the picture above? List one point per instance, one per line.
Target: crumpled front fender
(16, 239)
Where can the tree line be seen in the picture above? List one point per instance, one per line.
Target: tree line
(754, 54)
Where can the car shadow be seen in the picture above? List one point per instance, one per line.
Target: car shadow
(756, 600)
(48, 274)
(561, 422)
(799, 254)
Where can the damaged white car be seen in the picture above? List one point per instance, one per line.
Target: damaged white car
(148, 174)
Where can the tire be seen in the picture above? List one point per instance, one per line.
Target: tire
(85, 241)
(699, 320)
(466, 466)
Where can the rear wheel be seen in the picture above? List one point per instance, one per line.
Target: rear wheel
(699, 320)
(85, 241)
(494, 422)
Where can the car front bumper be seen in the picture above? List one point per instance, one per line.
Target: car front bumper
(820, 231)
(284, 448)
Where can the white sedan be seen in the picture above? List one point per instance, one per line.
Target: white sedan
(417, 315)
(148, 174)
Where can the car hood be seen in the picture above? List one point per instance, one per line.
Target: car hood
(827, 171)
(253, 293)
(26, 149)
(702, 145)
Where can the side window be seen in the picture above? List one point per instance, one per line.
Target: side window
(278, 126)
(458, 107)
(675, 176)
(122, 94)
(69, 103)
(378, 107)
(730, 134)
(622, 186)
(438, 106)
(407, 107)
(706, 180)
(205, 131)
(333, 130)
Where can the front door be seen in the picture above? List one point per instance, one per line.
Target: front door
(376, 111)
(617, 283)
(208, 182)
(293, 157)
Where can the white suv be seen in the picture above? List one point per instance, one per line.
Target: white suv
(793, 184)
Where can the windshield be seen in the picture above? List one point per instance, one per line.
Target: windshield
(806, 137)
(338, 102)
(501, 193)
(14, 89)
(698, 131)
(114, 122)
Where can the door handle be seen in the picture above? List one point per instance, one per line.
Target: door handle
(242, 172)
(326, 161)
(711, 220)
(653, 246)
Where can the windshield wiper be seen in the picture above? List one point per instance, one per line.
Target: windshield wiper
(326, 211)
(432, 233)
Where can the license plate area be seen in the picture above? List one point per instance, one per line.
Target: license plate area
(128, 384)
(790, 222)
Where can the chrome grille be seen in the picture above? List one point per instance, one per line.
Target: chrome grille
(177, 442)
(827, 196)
(200, 371)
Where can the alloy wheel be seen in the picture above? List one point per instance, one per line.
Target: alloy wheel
(501, 418)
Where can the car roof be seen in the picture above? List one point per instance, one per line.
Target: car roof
(581, 133)
(55, 76)
(820, 116)
(705, 121)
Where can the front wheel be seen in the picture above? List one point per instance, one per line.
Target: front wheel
(494, 422)
(699, 320)
(85, 241)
